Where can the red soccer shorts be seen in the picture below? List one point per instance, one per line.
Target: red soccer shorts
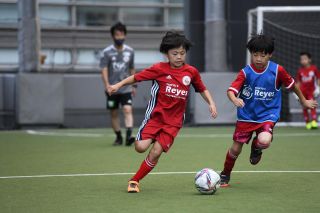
(242, 136)
(157, 131)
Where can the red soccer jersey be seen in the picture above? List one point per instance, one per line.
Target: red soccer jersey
(169, 92)
(307, 76)
(283, 78)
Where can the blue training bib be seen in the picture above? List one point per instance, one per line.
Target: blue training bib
(261, 97)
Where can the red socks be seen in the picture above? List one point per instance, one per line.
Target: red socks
(229, 163)
(313, 113)
(145, 168)
(306, 115)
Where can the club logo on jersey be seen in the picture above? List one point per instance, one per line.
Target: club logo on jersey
(172, 90)
(246, 92)
(126, 56)
(261, 93)
(309, 77)
(186, 80)
(118, 66)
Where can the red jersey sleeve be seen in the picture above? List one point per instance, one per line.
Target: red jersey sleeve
(197, 82)
(237, 84)
(150, 73)
(284, 78)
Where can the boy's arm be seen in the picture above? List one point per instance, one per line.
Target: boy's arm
(234, 89)
(298, 80)
(208, 98)
(310, 104)
(114, 88)
(298, 83)
(238, 102)
(147, 74)
(104, 62)
(132, 72)
(105, 78)
(134, 86)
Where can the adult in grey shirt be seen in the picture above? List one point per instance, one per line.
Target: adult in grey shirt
(117, 63)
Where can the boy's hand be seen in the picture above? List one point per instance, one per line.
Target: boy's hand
(112, 89)
(310, 104)
(213, 110)
(238, 102)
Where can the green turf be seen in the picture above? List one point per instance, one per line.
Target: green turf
(195, 148)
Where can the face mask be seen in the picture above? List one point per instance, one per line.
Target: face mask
(118, 42)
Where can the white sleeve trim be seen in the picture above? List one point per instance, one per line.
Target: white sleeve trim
(233, 89)
(244, 73)
(290, 85)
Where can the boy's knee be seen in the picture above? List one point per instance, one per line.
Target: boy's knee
(264, 140)
(236, 149)
(156, 152)
(139, 148)
(127, 110)
(235, 152)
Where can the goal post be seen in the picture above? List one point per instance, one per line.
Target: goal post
(257, 18)
(295, 29)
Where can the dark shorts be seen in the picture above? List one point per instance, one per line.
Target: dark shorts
(115, 100)
(244, 137)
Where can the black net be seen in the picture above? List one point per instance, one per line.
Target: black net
(294, 32)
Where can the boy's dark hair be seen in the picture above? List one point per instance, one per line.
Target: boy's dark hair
(174, 40)
(307, 54)
(261, 43)
(120, 27)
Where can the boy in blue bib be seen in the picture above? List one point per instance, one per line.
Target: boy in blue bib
(256, 92)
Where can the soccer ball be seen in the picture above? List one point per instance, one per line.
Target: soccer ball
(207, 181)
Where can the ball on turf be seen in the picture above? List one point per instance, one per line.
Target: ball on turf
(207, 181)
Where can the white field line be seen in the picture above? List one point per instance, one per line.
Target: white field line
(64, 134)
(96, 135)
(230, 135)
(152, 173)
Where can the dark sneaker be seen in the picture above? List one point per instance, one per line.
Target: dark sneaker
(118, 142)
(130, 141)
(255, 155)
(224, 180)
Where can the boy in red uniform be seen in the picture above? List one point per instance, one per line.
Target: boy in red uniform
(165, 111)
(256, 92)
(308, 76)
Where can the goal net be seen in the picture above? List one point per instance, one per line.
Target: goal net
(295, 29)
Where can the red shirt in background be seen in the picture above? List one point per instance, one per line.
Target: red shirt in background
(307, 76)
